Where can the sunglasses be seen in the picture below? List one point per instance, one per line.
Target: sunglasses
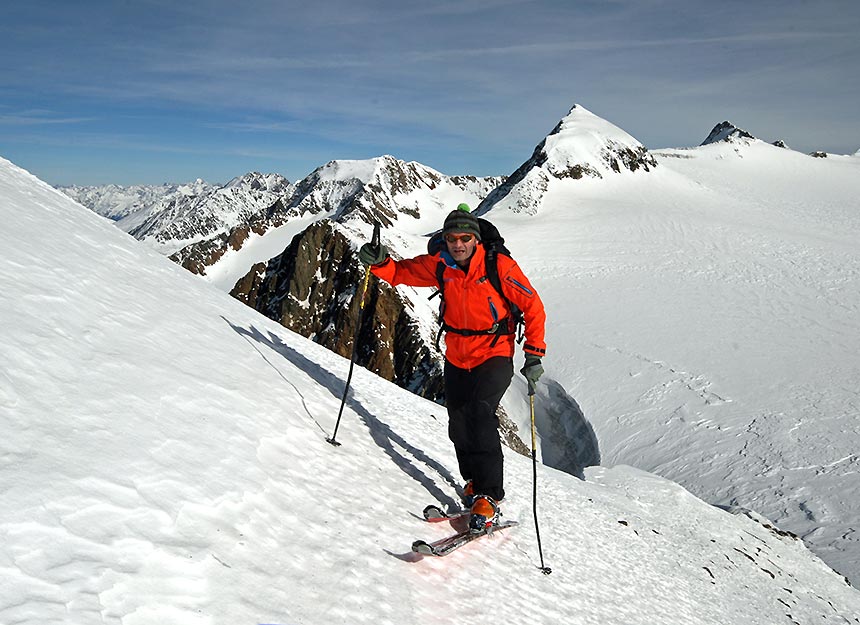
(465, 238)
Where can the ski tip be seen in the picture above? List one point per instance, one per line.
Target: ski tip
(422, 547)
(434, 513)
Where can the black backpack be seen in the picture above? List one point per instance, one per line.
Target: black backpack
(494, 244)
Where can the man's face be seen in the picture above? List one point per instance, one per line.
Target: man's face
(461, 246)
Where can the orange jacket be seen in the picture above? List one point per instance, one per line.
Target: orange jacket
(470, 303)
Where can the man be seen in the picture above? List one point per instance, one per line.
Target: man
(479, 346)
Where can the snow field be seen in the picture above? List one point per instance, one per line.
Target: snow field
(165, 462)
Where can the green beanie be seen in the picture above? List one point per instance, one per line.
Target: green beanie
(462, 220)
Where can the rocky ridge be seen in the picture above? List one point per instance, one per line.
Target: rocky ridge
(382, 188)
(288, 289)
(179, 221)
(729, 133)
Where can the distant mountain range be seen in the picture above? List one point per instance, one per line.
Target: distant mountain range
(197, 222)
(170, 217)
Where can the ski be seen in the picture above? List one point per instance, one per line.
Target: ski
(444, 546)
(435, 514)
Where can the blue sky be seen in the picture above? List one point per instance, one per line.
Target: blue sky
(150, 91)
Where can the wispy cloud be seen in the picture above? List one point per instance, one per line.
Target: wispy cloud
(37, 118)
(440, 81)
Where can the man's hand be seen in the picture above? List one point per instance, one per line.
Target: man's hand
(532, 370)
(370, 254)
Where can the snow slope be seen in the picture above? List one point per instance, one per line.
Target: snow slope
(702, 313)
(164, 461)
(705, 318)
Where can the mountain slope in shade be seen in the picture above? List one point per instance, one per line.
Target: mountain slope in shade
(164, 461)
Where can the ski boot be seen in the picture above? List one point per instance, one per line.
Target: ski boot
(485, 512)
(468, 494)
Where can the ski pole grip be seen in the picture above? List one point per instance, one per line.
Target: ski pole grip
(374, 241)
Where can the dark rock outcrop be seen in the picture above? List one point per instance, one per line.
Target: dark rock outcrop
(727, 131)
(313, 288)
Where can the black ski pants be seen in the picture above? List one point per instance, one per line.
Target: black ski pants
(472, 397)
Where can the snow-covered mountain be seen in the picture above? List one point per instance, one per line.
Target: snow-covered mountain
(304, 285)
(117, 202)
(171, 217)
(582, 145)
(297, 264)
(382, 188)
(255, 181)
(164, 461)
(179, 222)
(728, 132)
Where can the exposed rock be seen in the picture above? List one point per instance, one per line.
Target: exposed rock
(781, 144)
(727, 132)
(818, 154)
(198, 256)
(510, 434)
(312, 289)
(383, 188)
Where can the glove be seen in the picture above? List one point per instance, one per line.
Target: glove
(532, 370)
(369, 254)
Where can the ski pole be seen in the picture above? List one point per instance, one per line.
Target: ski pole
(374, 242)
(543, 569)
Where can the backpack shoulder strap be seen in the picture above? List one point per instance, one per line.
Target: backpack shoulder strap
(440, 280)
(492, 266)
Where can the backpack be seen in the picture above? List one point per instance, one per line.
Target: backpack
(494, 245)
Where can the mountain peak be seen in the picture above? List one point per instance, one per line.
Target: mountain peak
(581, 145)
(727, 131)
(256, 181)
